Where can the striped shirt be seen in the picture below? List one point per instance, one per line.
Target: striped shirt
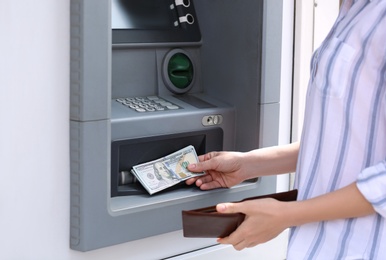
(344, 135)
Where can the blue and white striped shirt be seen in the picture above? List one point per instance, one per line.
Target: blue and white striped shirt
(344, 135)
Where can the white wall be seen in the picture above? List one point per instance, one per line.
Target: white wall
(314, 20)
(34, 105)
(325, 13)
(283, 181)
(304, 29)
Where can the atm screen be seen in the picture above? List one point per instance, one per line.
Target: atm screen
(144, 14)
(153, 21)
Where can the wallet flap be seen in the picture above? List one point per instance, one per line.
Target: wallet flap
(207, 222)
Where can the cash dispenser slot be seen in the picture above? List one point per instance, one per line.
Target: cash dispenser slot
(127, 153)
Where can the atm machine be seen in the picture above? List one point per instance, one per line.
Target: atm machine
(149, 77)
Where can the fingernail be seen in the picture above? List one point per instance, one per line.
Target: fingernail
(221, 207)
(192, 166)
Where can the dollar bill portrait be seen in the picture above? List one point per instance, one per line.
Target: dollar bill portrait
(163, 173)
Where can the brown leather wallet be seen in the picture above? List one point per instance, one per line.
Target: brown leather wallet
(207, 222)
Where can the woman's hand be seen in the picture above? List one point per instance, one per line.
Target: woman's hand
(265, 219)
(223, 170)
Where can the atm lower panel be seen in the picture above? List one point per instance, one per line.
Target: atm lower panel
(115, 220)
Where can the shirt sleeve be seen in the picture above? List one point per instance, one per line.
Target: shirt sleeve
(371, 183)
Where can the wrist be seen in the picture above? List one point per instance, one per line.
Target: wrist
(288, 214)
(295, 213)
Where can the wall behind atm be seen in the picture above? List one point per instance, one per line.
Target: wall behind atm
(34, 134)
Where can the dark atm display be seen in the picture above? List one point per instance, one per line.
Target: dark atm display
(144, 15)
(153, 21)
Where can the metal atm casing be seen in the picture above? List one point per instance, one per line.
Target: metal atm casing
(229, 75)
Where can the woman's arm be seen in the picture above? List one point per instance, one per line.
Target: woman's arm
(347, 202)
(226, 169)
(272, 160)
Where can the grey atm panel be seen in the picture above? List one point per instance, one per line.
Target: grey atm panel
(211, 100)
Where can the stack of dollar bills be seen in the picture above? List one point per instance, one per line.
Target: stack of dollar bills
(167, 171)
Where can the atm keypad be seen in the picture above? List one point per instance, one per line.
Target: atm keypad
(147, 104)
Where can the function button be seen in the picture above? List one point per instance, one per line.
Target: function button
(185, 3)
(172, 107)
(165, 104)
(153, 98)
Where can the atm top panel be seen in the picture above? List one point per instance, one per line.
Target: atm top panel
(154, 21)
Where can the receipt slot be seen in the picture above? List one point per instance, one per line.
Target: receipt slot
(149, 77)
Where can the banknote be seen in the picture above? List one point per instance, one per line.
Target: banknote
(178, 162)
(167, 171)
